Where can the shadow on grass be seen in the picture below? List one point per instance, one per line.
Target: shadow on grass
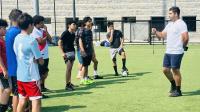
(111, 76)
(191, 93)
(108, 80)
(61, 108)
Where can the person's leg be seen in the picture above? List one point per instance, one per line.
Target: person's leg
(123, 55)
(36, 105)
(177, 78)
(15, 98)
(68, 75)
(113, 53)
(44, 70)
(21, 104)
(4, 96)
(95, 66)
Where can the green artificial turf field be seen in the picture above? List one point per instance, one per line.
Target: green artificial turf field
(145, 90)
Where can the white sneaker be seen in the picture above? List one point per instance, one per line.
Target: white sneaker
(124, 74)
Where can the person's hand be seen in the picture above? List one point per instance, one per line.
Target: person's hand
(5, 73)
(83, 53)
(153, 31)
(64, 55)
(45, 27)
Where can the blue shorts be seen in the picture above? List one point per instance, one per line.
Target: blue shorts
(172, 61)
(80, 60)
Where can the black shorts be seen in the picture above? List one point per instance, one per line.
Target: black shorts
(13, 81)
(70, 56)
(87, 60)
(43, 69)
(4, 81)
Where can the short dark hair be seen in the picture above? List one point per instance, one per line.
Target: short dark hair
(3, 23)
(175, 10)
(70, 22)
(86, 19)
(37, 19)
(80, 23)
(24, 21)
(110, 23)
(14, 14)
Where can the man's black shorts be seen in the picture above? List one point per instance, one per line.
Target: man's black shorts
(43, 69)
(4, 81)
(13, 81)
(87, 60)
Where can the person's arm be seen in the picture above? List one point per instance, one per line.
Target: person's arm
(49, 38)
(185, 38)
(160, 35)
(5, 73)
(36, 52)
(60, 45)
(82, 50)
(110, 38)
(41, 40)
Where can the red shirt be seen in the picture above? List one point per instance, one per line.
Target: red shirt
(3, 53)
(42, 46)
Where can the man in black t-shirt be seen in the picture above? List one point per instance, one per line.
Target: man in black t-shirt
(116, 40)
(66, 45)
(86, 49)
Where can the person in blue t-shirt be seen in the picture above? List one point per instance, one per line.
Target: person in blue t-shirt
(11, 33)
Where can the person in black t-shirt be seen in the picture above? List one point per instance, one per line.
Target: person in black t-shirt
(86, 49)
(116, 40)
(66, 45)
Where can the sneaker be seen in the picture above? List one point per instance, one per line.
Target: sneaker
(44, 96)
(125, 69)
(172, 89)
(98, 77)
(86, 82)
(175, 94)
(116, 74)
(45, 89)
(69, 87)
(124, 73)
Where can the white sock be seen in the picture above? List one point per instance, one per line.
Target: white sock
(95, 72)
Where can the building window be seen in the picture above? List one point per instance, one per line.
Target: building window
(47, 20)
(100, 24)
(128, 19)
(158, 23)
(190, 22)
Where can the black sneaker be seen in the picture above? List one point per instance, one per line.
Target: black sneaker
(175, 94)
(98, 77)
(45, 89)
(44, 96)
(117, 74)
(69, 87)
(172, 89)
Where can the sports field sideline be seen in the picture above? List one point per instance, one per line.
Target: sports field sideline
(144, 90)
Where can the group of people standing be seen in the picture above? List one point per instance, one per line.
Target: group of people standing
(24, 55)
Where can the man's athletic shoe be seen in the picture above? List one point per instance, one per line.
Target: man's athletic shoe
(45, 89)
(175, 94)
(172, 89)
(69, 87)
(44, 96)
(98, 77)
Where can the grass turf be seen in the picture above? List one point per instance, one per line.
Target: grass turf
(145, 90)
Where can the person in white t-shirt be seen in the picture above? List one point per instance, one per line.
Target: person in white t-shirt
(42, 36)
(28, 57)
(177, 37)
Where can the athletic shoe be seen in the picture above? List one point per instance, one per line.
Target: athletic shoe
(45, 89)
(125, 69)
(69, 87)
(124, 74)
(44, 96)
(175, 94)
(86, 82)
(172, 89)
(98, 77)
